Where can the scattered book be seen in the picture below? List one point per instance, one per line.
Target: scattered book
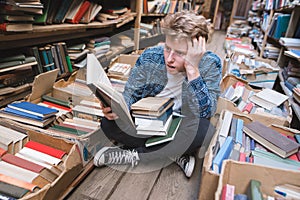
(155, 140)
(271, 139)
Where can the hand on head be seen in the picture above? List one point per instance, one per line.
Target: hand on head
(196, 48)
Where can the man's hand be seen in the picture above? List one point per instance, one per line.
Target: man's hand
(196, 49)
(108, 114)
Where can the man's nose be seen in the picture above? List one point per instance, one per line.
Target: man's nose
(170, 57)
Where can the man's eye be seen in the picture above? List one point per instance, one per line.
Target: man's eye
(167, 48)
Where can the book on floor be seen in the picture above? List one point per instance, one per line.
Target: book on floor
(155, 140)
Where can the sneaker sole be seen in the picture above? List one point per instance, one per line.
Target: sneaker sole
(98, 155)
(190, 170)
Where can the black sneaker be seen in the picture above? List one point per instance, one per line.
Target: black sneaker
(187, 164)
(115, 156)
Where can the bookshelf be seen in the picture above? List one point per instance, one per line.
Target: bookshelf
(12, 43)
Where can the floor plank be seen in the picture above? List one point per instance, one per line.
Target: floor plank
(167, 183)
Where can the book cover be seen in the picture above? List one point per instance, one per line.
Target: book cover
(271, 139)
(19, 139)
(222, 154)
(22, 174)
(25, 114)
(142, 120)
(33, 109)
(227, 192)
(170, 135)
(6, 144)
(254, 191)
(111, 98)
(46, 149)
(152, 130)
(25, 164)
(91, 13)
(12, 190)
(26, 120)
(22, 184)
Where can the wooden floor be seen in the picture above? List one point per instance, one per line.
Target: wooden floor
(164, 184)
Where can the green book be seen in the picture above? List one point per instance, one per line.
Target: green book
(42, 19)
(68, 130)
(19, 57)
(56, 101)
(254, 191)
(12, 190)
(169, 137)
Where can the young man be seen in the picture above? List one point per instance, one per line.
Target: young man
(181, 69)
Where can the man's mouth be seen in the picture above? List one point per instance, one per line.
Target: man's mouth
(172, 67)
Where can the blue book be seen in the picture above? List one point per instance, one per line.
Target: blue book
(33, 109)
(24, 114)
(239, 131)
(295, 51)
(223, 154)
(281, 26)
(297, 137)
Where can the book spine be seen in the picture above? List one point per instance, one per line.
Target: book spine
(45, 149)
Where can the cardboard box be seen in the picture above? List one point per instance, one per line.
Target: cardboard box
(72, 164)
(264, 118)
(262, 77)
(239, 175)
(209, 179)
(45, 83)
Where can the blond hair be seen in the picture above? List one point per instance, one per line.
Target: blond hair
(185, 24)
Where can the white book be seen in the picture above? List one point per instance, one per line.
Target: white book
(39, 156)
(88, 110)
(85, 123)
(17, 172)
(44, 164)
(19, 139)
(151, 130)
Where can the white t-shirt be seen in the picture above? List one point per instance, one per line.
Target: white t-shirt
(173, 89)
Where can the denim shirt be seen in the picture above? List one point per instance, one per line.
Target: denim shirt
(149, 77)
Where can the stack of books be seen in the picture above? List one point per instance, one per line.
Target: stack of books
(153, 117)
(30, 169)
(29, 113)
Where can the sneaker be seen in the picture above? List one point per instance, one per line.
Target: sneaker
(117, 156)
(187, 164)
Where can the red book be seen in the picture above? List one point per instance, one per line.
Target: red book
(46, 149)
(227, 192)
(242, 157)
(54, 105)
(25, 164)
(238, 84)
(2, 152)
(82, 10)
(248, 107)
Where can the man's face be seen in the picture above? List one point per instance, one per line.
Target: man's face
(174, 53)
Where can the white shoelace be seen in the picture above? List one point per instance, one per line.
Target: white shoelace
(123, 157)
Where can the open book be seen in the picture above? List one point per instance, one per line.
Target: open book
(112, 98)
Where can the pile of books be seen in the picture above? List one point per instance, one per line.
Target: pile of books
(33, 166)
(29, 113)
(154, 117)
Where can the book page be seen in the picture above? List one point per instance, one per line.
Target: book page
(95, 72)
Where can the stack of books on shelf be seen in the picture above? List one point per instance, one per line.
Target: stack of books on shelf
(77, 52)
(18, 16)
(112, 15)
(29, 113)
(153, 117)
(29, 169)
(99, 46)
(291, 75)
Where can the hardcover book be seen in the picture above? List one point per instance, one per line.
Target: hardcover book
(155, 140)
(23, 184)
(12, 190)
(25, 164)
(33, 109)
(271, 139)
(222, 155)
